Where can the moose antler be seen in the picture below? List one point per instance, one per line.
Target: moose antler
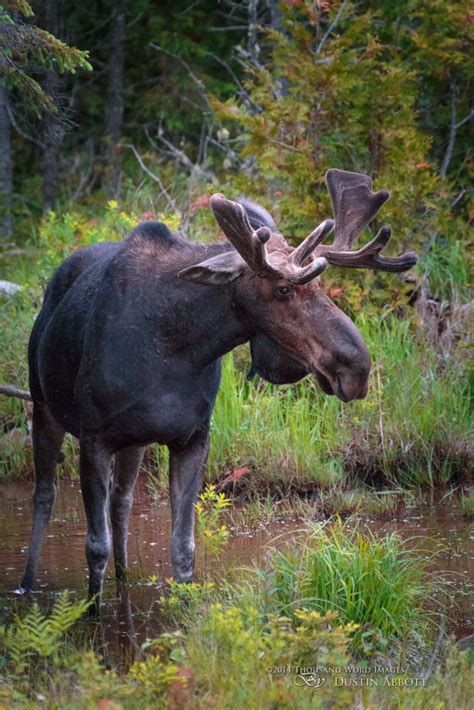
(355, 205)
(251, 244)
(232, 219)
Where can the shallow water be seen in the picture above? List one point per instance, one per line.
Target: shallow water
(134, 614)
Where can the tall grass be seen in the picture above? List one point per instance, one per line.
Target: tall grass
(372, 582)
(287, 432)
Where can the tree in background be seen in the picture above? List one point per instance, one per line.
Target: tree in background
(53, 128)
(26, 54)
(376, 87)
(115, 101)
(267, 90)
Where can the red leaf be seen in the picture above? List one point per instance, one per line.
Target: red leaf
(235, 476)
(199, 203)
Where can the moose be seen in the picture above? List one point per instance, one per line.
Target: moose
(126, 351)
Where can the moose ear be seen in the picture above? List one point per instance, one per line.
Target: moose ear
(216, 271)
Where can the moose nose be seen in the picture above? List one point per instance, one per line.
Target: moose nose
(350, 387)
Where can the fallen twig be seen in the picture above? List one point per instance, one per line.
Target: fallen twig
(10, 391)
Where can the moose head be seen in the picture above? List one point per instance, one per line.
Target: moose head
(295, 329)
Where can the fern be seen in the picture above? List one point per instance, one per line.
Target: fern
(39, 635)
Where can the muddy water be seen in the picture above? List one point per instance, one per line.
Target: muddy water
(135, 613)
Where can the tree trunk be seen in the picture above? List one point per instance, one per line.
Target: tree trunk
(275, 15)
(252, 37)
(53, 130)
(114, 121)
(6, 167)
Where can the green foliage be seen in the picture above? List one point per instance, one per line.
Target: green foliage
(238, 652)
(235, 654)
(373, 583)
(29, 48)
(16, 321)
(60, 235)
(38, 636)
(154, 677)
(467, 504)
(337, 501)
(447, 269)
(283, 432)
(373, 95)
(349, 104)
(211, 530)
(183, 599)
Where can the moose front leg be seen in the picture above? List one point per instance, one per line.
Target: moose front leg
(95, 469)
(186, 473)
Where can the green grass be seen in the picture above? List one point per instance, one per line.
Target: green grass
(467, 504)
(413, 428)
(361, 500)
(372, 582)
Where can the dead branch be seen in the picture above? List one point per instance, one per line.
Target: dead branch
(453, 129)
(182, 158)
(10, 391)
(242, 90)
(333, 24)
(152, 175)
(199, 84)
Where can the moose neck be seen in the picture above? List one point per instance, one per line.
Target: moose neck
(211, 327)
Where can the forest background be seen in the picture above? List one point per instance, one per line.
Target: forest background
(164, 103)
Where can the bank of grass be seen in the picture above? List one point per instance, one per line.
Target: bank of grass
(338, 598)
(259, 509)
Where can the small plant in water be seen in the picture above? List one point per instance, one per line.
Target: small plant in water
(209, 509)
(372, 582)
(184, 599)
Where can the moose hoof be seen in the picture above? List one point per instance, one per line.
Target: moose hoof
(184, 578)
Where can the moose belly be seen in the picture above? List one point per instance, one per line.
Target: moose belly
(164, 419)
(164, 406)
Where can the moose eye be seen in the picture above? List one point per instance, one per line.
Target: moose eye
(283, 292)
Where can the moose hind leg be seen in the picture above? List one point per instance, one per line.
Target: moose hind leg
(48, 437)
(127, 466)
(186, 473)
(95, 470)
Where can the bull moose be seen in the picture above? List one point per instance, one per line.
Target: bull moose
(127, 349)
